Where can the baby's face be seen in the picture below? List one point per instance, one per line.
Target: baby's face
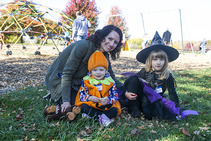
(98, 73)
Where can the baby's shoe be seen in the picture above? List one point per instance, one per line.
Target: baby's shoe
(104, 120)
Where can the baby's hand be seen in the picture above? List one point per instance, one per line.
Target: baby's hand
(104, 101)
(94, 99)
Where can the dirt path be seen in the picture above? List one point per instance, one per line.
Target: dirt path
(19, 70)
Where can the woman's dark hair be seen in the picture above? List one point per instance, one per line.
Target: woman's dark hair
(100, 35)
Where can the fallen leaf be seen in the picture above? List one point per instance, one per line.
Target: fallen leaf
(176, 125)
(1, 110)
(13, 112)
(127, 124)
(88, 130)
(3, 104)
(140, 127)
(25, 139)
(19, 125)
(10, 128)
(78, 139)
(204, 128)
(133, 132)
(83, 133)
(186, 132)
(107, 136)
(40, 90)
(196, 132)
(24, 129)
(18, 117)
(150, 125)
(153, 131)
(205, 124)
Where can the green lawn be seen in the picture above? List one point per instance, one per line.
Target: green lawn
(21, 117)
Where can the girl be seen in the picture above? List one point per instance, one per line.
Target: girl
(145, 90)
(97, 96)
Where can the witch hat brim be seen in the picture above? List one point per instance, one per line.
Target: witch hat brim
(157, 44)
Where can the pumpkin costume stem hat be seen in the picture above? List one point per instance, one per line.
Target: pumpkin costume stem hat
(157, 44)
(97, 59)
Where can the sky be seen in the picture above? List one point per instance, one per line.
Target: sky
(189, 19)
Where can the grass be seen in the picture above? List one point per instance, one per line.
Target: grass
(21, 117)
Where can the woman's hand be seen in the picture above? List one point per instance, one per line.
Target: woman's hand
(64, 106)
(104, 101)
(94, 99)
(130, 96)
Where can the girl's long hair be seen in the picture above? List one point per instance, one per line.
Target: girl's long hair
(158, 54)
(98, 37)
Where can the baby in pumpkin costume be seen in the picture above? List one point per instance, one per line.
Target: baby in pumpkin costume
(97, 96)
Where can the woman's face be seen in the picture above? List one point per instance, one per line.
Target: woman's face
(110, 42)
(157, 64)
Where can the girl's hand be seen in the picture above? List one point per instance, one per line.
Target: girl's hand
(104, 101)
(130, 96)
(94, 99)
(64, 106)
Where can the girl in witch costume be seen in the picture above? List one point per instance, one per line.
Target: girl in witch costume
(145, 90)
(97, 96)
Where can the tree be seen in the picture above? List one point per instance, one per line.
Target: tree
(88, 8)
(116, 18)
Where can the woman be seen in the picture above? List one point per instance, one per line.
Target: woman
(64, 77)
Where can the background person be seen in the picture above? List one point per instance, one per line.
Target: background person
(166, 37)
(80, 27)
(145, 41)
(64, 76)
(97, 96)
(203, 46)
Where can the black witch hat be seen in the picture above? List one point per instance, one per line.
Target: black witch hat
(157, 44)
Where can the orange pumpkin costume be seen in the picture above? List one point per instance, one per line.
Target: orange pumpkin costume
(89, 88)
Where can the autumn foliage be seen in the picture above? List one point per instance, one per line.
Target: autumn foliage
(116, 18)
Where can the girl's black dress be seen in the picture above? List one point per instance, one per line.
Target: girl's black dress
(157, 109)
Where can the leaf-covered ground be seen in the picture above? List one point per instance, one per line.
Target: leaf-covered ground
(20, 70)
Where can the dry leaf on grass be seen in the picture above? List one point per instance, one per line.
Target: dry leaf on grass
(133, 132)
(196, 132)
(186, 132)
(204, 128)
(83, 133)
